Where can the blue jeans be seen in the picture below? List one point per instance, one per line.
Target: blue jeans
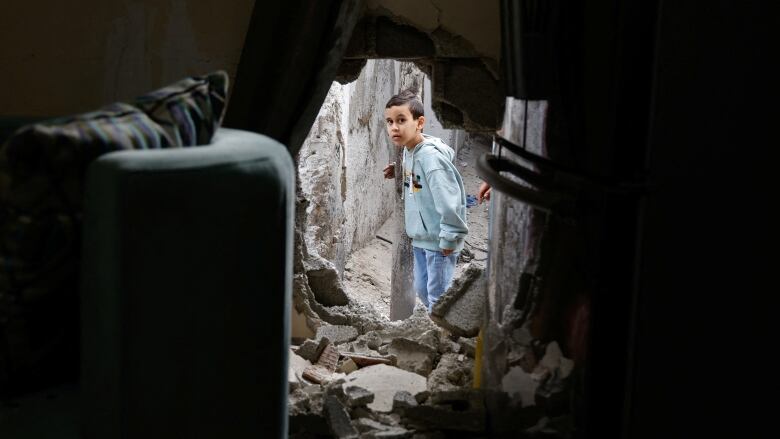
(432, 274)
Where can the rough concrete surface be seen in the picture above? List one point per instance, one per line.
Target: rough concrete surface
(337, 334)
(384, 381)
(461, 308)
(452, 372)
(412, 356)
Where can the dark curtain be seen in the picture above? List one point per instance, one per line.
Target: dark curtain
(290, 57)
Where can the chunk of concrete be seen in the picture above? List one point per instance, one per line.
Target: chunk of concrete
(373, 340)
(324, 281)
(311, 349)
(317, 374)
(403, 400)
(305, 411)
(337, 334)
(357, 396)
(295, 372)
(451, 373)
(384, 381)
(519, 384)
(461, 308)
(347, 366)
(338, 419)
(430, 338)
(468, 346)
(553, 360)
(412, 356)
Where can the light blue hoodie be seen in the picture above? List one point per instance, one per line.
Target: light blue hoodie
(434, 197)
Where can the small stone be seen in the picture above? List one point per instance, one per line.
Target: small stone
(455, 376)
(357, 396)
(552, 356)
(311, 349)
(448, 347)
(295, 372)
(522, 336)
(403, 400)
(468, 346)
(567, 366)
(430, 338)
(422, 396)
(347, 366)
(519, 384)
(373, 340)
(338, 419)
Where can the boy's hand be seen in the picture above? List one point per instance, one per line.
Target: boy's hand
(389, 170)
(446, 251)
(484, 192)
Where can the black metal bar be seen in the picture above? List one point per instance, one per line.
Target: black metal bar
(489, 168)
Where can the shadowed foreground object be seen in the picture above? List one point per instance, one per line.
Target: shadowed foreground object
(186, 291)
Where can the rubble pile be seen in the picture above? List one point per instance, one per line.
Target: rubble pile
(381, 382)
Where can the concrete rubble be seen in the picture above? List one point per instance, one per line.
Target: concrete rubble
(357, 374)
(412, 356)
(337, 334)
(461, 308)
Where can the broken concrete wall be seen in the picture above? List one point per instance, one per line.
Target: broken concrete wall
(340, 163)
(340, 176)
(457, 43)
(525, 346)
(370, 198)
(321, 163)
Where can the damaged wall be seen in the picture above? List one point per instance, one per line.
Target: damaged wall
(456, 43)
(340, 163)
(344, 197)
(115, 51)
(527, 345)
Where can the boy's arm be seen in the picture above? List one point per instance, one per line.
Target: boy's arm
(447, 198)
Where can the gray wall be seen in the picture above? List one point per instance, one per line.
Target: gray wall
(341, 161)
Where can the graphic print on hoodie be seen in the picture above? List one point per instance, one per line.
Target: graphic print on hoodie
(434, 197)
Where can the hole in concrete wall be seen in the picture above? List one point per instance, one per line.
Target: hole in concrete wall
(348, 234)
(352, 216)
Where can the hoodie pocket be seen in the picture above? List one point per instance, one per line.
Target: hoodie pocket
(415, 226)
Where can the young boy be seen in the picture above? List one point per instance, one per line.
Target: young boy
(434, 198)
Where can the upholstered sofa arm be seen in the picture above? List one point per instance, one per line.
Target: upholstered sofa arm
(186, 287)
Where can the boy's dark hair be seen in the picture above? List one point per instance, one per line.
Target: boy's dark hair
(408, 97)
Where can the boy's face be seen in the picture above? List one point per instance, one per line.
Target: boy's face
(403, 129)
